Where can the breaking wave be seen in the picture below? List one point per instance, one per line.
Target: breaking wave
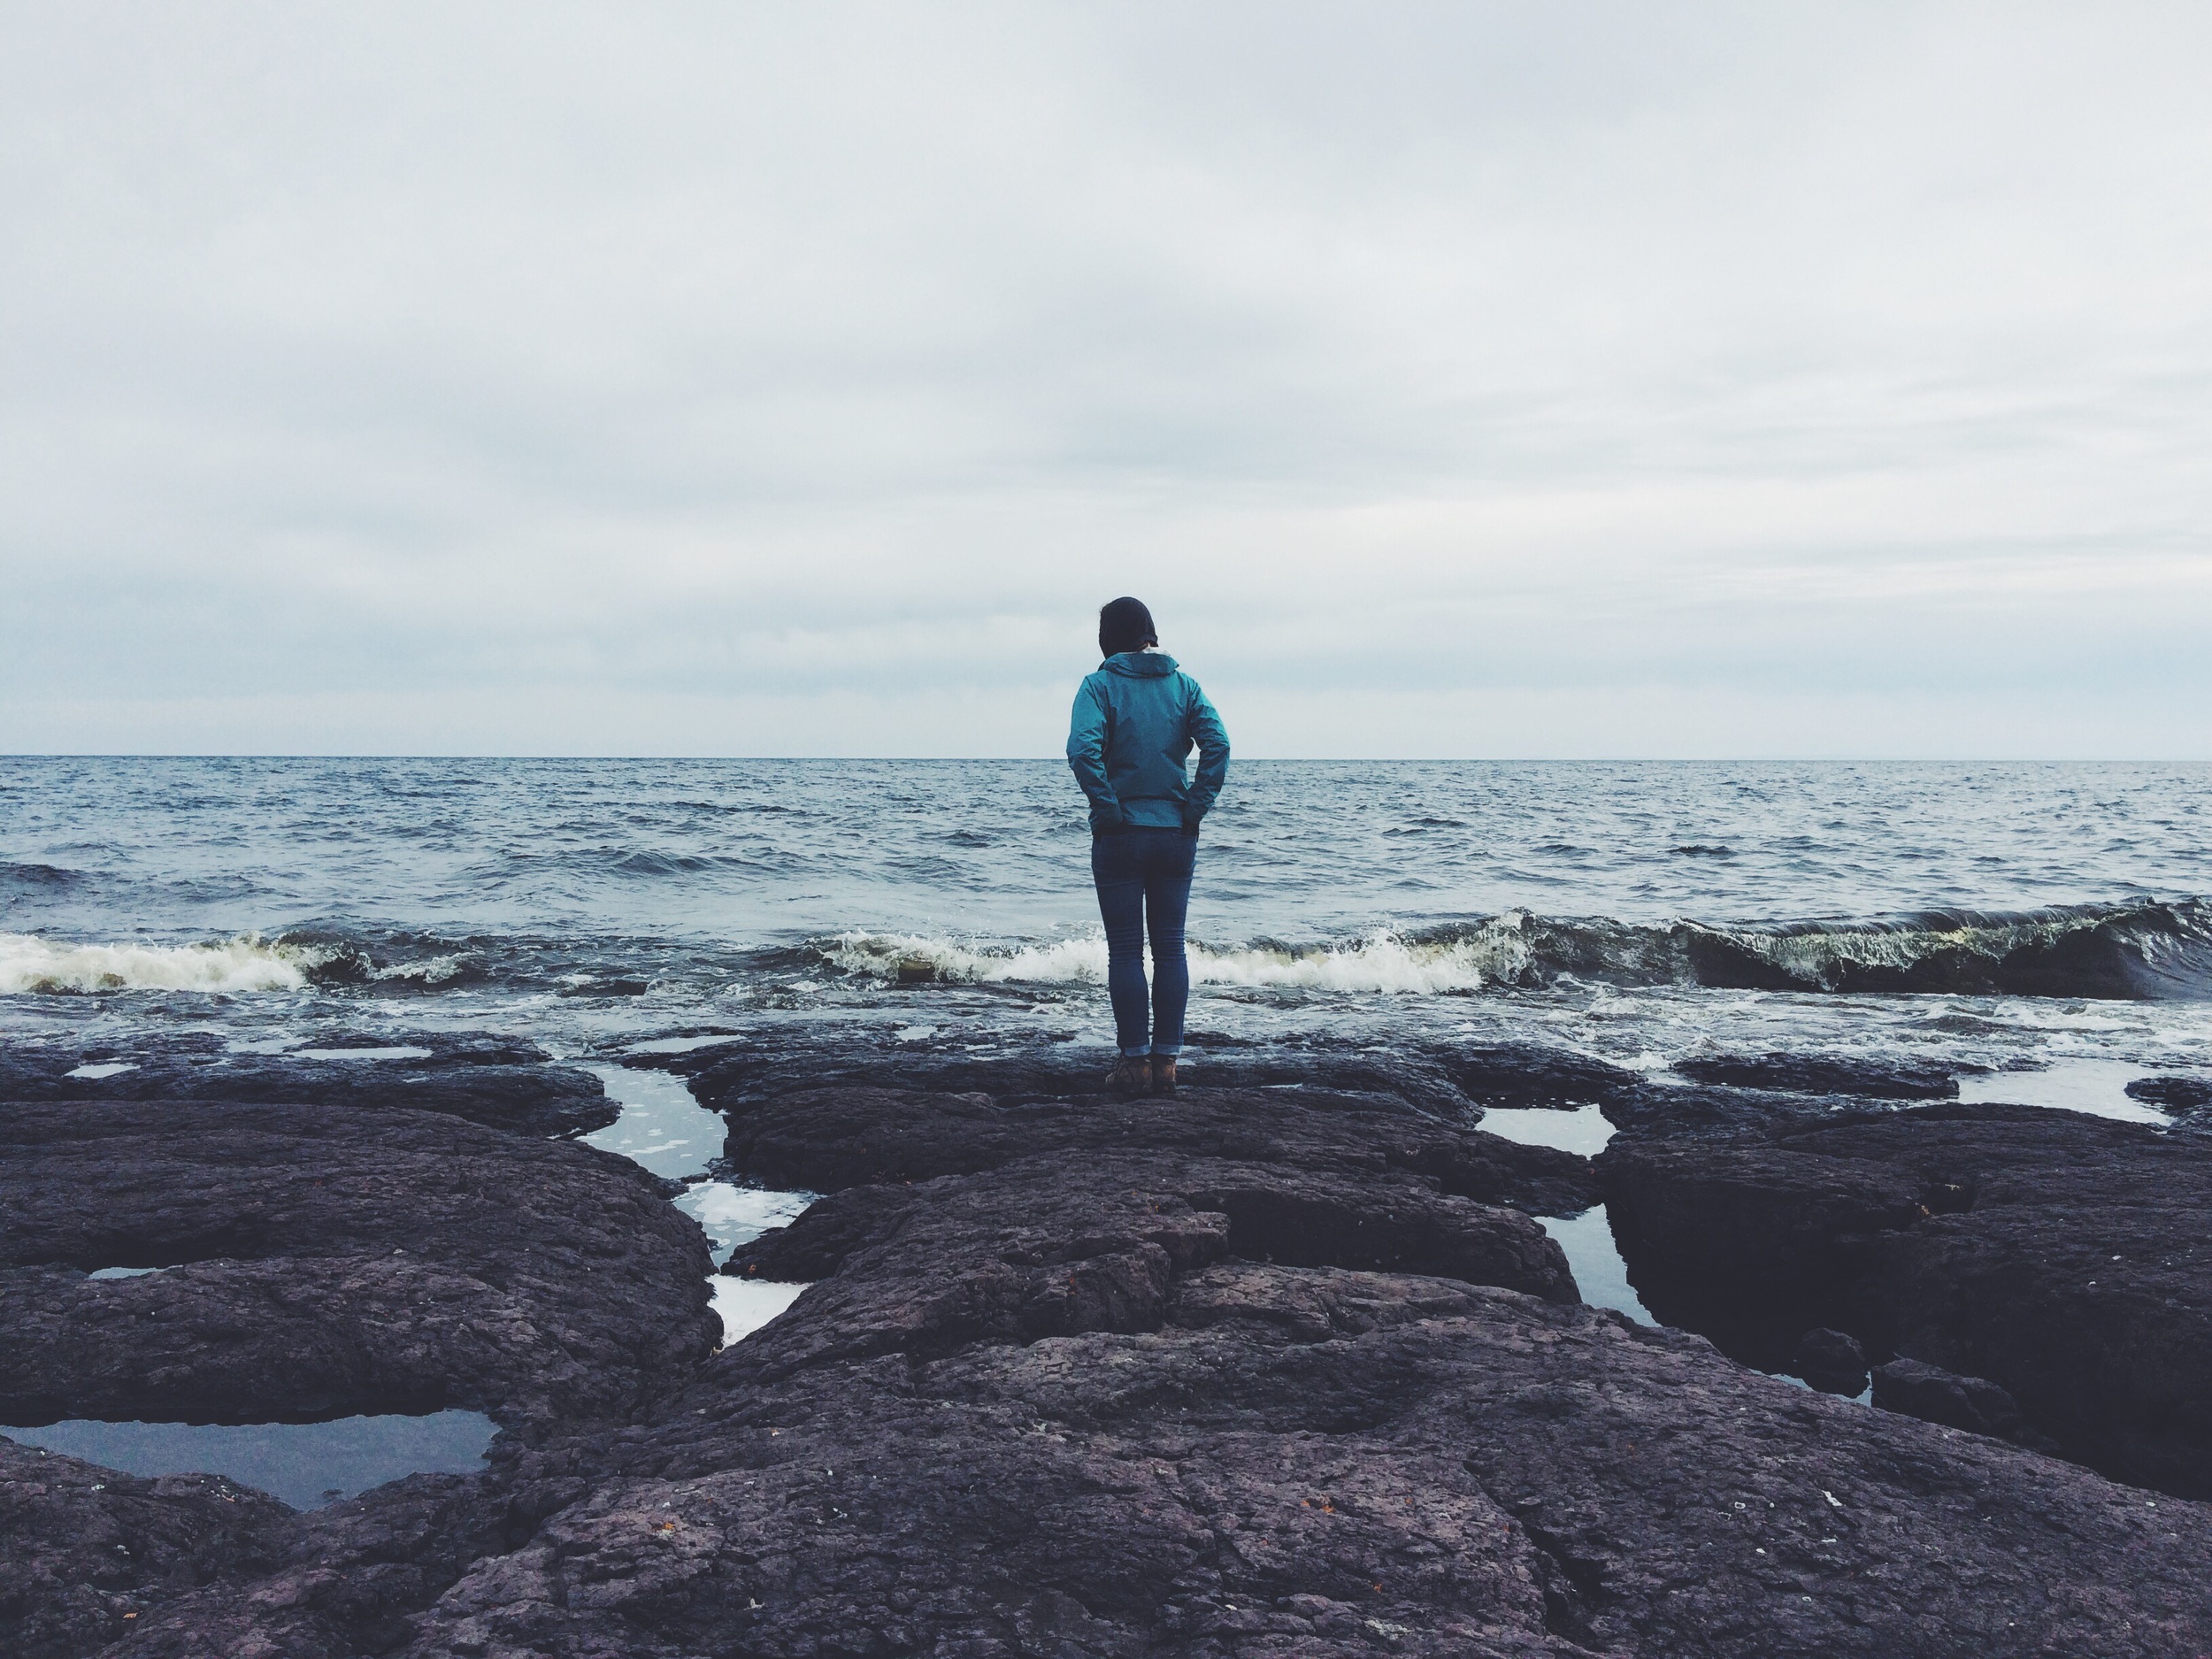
(32, 965)
(2136, 951)
(1382, 962)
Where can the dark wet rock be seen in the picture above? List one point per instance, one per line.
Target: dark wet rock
(1936, 1395)
(2060, 1256)
(1042, 1248)
(346, 1578)
(1825, 1074)
(731, 1076)
(1445, 1082)
(1747, 1241)
(1705, 1111)
(824, 1139)
(1831, 1361)
(1516, 1075)
(1310, 1461)
(493, 1080)
(2172, 1094)
(322, 1261)
(86, 1552)
(1065, 1403)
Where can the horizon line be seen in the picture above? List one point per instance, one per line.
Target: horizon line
(1272, 760)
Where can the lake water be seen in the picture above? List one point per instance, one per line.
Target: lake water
(2008, 916)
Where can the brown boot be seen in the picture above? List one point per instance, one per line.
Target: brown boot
(1131, 1075)
(1163, 1074)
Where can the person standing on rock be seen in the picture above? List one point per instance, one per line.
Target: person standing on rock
(1135, 723)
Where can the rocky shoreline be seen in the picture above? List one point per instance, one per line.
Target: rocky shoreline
(1287, 1365)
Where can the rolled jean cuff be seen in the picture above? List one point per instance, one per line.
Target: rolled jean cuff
(1137, 1054)
(1167, 1051)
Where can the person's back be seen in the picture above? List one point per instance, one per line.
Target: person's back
(1135, 722)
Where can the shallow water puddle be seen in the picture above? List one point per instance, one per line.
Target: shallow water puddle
(682, 1045)
(1864, 1397)
(663, 1128)
(2096, 1086)
(1599, 1273)
(747, 1304)
(307, 1464)
(1581, 1130)
(112, 1068)
(731, 1216)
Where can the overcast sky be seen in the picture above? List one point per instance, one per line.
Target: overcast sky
(1544, 379)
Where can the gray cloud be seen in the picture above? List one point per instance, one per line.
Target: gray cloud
(1603, 379)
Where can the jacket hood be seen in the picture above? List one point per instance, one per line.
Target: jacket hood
(1140, 664)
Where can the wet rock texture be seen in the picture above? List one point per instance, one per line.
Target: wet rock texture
(1820, 1074)
(87, 1550)
(1935, 1395)
(340, 1582)
(1305, 1460)
(2060, 1256)
(321, 1262)
(500, 1082)
(1037, 1249)
(1264, 1373)
(822, 1139)
(2188, 1098)
(1449, 1083)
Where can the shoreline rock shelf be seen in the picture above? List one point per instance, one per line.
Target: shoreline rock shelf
(2061, 1258)
(1259, 1371)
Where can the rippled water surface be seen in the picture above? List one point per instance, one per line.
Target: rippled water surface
(2006, 915)
(307, 1464)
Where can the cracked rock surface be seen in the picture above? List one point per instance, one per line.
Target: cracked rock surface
(1309, 1460)
(501, 1082)
(321, 1262)
(1251, 1374)
(820, 1139)
(1054, 1406)
(2061, 1258)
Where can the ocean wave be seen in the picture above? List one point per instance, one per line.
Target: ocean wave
(2131, 951)
(36, 876)
(1382, 962)
(335, 958)
(31, 965)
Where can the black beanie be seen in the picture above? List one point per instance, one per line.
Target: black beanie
(1125, 625)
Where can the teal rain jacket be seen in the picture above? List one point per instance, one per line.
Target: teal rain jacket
(1134, 723)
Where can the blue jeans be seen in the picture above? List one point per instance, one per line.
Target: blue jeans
(1143, 875)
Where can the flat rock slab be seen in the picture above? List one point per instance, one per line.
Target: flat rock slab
(2062, 1256)
(822, 1139)
(1825, 1074)
(1309, 1460)
(497, 1082)
(86, 1551)
(1043, 1248)
(320, 1261)
(2188, 1098)
(1448, 1081)
(1123, 1382)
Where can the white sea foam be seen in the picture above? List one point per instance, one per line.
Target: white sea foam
(431, 970)
(747, 1304)
(731, 1216)
(1380, 962)
(31, 965)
